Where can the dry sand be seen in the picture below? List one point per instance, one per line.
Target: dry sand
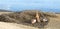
(4, 25)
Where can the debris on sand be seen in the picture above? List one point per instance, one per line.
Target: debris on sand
(25, 17)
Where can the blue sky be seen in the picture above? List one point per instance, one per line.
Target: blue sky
(44, 5)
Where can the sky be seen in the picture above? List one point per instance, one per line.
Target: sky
(18, 5)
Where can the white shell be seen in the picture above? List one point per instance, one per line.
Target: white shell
(33, 21)
(44, 19)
